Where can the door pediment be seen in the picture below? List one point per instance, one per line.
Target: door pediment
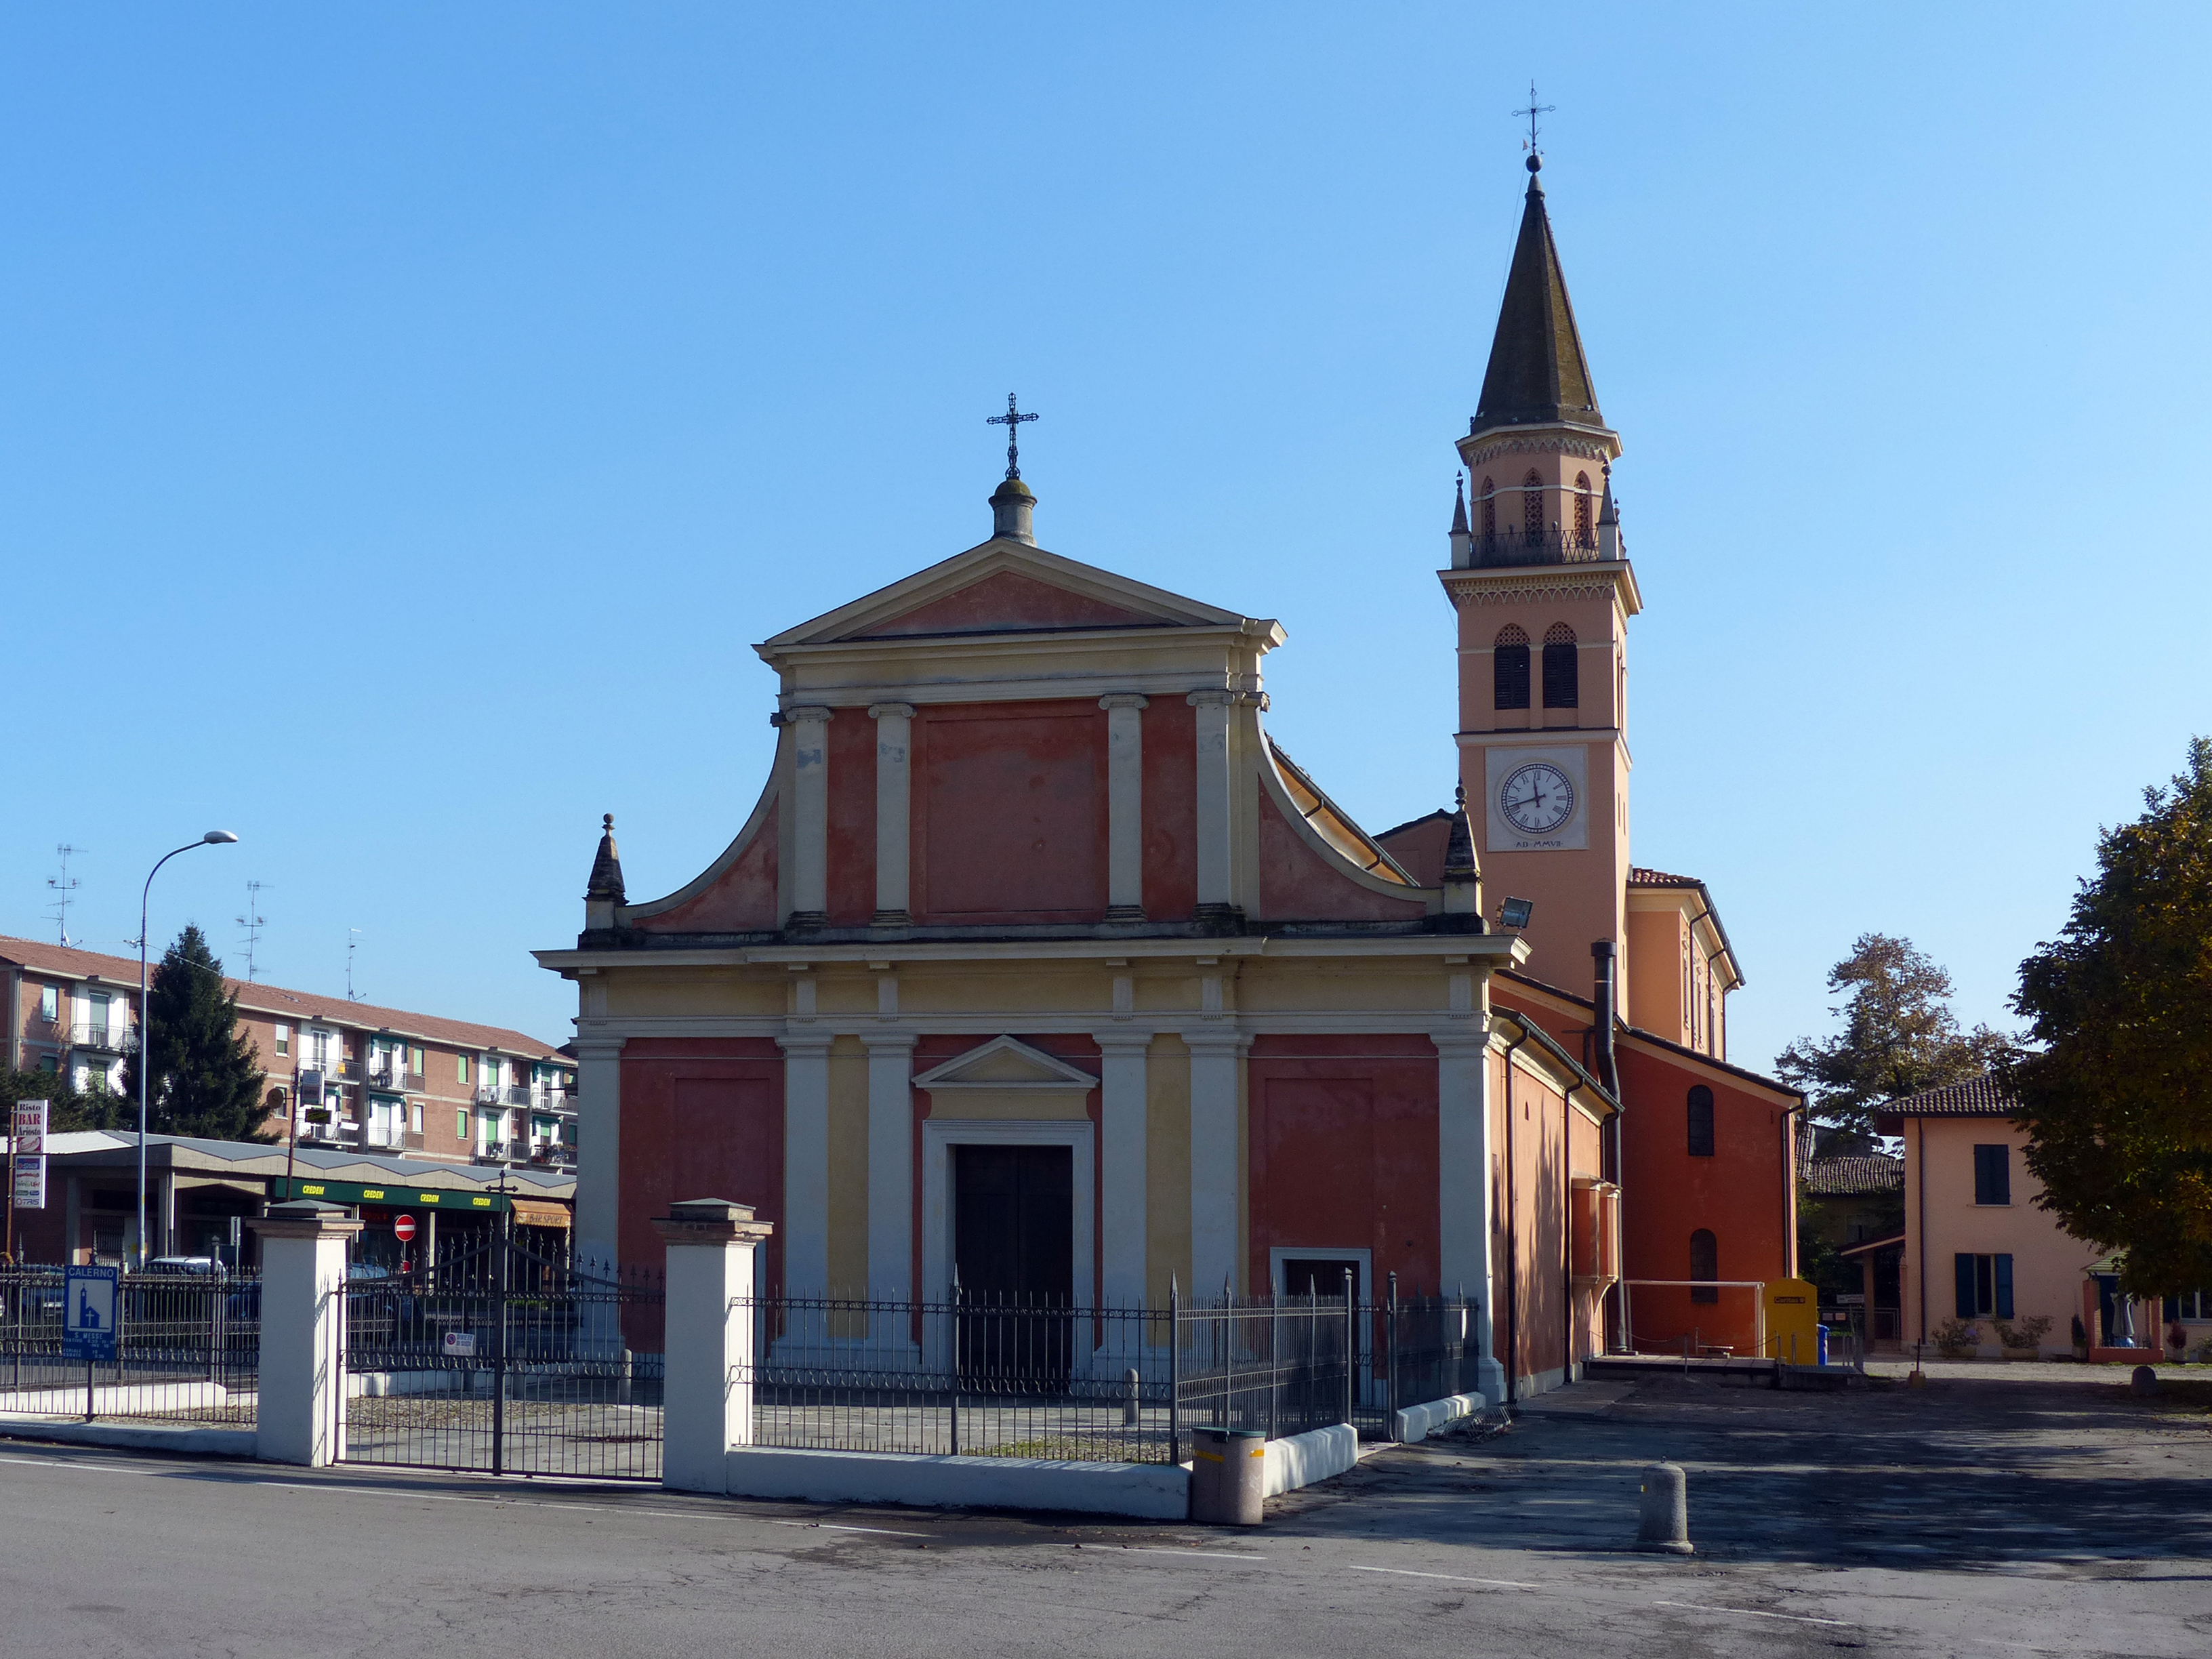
(1006, 1063)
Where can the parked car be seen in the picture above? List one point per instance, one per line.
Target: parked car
(189, 1267)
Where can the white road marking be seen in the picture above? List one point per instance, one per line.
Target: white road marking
(1457, 1578)
(1752, 1612)
(1209, 1555)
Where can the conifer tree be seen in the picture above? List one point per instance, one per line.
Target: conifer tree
(1899, 1036)
(205, 1077)
(2116, 1092)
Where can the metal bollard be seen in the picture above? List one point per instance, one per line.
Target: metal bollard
(1132, 1385)
(2142, 1381)
(1228, 1476)
(1664, 1522)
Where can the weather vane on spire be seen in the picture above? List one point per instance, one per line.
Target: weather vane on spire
(1533, 110)
(1011, 420)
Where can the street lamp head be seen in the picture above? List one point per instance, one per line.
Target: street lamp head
(218, 838)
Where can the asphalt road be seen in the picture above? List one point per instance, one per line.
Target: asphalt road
(1967, 1518)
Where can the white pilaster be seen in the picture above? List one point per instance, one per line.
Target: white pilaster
(1121, 1153)
(894, 802)
(890, 1165)
(805, 1163)
(706, 1391)
(810, 790)
(302, 1411)
(599, 1144)
(1125, 817)
(1216, 1170)
(1213, 879)
(1463, 1197)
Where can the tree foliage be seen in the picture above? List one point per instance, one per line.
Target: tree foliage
(67, 1109)
(2116, 1092)
(205, 1077)
(1899, 1036)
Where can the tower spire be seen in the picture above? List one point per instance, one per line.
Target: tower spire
(1538, 374)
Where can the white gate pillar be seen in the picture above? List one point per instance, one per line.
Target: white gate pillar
(301, 1417)
(706, 1396)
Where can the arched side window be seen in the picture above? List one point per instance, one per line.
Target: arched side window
(1701, 1122)
(1706, 1265)
(1489, 510)
(1562, 668)
(1582, 536)
(1510, 668)
(1532, 504)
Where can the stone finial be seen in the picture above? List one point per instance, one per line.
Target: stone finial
(1462, 542)
(1463, 870)
(606, 883)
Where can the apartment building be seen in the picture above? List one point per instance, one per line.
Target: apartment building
(342, 1075)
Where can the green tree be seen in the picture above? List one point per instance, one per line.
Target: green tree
(205, 1077)
(2116, 1092)
(1899, 1036)
(68, 1108)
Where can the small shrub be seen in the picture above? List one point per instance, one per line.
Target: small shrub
(2026, 1334)
(1955, 1336)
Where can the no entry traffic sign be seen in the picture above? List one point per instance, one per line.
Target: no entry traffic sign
(402, 1228)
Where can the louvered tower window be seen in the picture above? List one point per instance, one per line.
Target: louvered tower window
(1582, 536)
(1532, 505)
(1509, 659)
(1489, 510)
(1562, 670)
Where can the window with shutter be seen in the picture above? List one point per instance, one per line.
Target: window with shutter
(1992, 1175)
(1963, 1275)
(1562, 668)
(1510, 668)
(1704, 1264)
(1701, 1122)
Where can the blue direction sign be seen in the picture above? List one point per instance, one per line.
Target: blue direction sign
(88, 1314)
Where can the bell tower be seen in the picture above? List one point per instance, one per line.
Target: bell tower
(1544, 591)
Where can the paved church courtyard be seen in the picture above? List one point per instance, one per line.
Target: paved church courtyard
(1999, 1512)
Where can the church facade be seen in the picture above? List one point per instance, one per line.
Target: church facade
(1040, 965)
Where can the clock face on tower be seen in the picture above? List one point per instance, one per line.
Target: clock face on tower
(1536, 799)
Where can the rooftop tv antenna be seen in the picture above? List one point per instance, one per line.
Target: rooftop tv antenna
(64, 886)
(253, 922)
(353, 944)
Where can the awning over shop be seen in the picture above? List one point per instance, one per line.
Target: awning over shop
(537, 1212)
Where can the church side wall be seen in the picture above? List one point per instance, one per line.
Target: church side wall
(1529, 1247)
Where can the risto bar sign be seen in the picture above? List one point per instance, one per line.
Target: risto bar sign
(353, 1192)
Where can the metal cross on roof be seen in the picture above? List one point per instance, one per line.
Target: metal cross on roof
(1011, 420)
(1534, 110)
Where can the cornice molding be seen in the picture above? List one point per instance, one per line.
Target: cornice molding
(1555, 443)
(1467, 594)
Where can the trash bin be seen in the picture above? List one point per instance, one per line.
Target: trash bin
(1823, 1330)
(1228, 1476)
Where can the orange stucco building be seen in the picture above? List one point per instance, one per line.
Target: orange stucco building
(1032, 905)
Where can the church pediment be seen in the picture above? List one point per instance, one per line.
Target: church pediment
(1003, 587)
(1004, 1063)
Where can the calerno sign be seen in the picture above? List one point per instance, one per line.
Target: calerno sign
(89, 1309)
(28, 1155)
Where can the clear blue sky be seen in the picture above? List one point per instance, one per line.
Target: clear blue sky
(414, 414)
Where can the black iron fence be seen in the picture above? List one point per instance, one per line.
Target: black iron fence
(504, 1356)
(187, 1349)
(1014, 1376)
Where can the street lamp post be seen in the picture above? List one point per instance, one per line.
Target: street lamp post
(213, 838)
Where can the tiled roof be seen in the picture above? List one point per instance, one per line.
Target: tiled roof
(1640, 877)
(1981, 1096)
(1856, 1172)
(69, 963)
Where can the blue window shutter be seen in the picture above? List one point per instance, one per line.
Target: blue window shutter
(1964, 1265)
(2004, 1287)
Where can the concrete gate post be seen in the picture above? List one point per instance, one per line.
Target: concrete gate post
(301, 1416)
(706, 1396)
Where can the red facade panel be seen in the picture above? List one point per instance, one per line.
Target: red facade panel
(852, 837)
(1010, 813)
(1342, 1149)
(1170, 810)
(1298, 884)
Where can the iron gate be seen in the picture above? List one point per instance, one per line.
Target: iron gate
(503, 1357)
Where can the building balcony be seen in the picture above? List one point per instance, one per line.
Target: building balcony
(1507, 548)
(488, 1094)
(386, 1075)
(108, 1037)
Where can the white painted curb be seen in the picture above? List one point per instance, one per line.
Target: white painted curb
(1418, 1422)
(1152, 1491)
(1302, 1459)
(138, 1437)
